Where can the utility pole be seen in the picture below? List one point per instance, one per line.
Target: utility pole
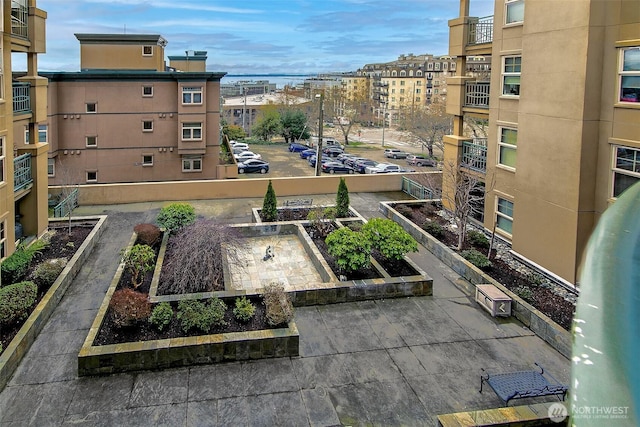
(320, 123)
(244, 109)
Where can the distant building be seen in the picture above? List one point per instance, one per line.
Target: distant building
(248, 87)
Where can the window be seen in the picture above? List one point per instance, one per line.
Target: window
(417, 99)
(418, 90)
(507, 147)
(2, 158)
(51, 167)
(91, 141)
(504, 215)
(42, 134)
(192, 164)
(630, 75)
(192, 95)
(92, 107)
(401, 90)
(626, 168)
(437, 66)
(430, 66)
(147, 160)
(92, 176)
(515, 11)
(419, 83)
(147, 126)
(3, 239)
(147, 91)
(511, 75)
(401, 82)
(191, 131)
(147, 50)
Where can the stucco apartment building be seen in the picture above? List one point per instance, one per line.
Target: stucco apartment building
(563, 107)
(23, 107)
(128, 117)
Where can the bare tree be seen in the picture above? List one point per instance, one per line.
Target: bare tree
(427, 124)
(346, 109)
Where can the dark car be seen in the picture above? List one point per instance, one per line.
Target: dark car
(294, 147)
(307, 153)
(362, 164)
(420, 160)
(333, 167)
(344, 156)
(333, 151)
(351, 161)
(312, 160)
(253, 165)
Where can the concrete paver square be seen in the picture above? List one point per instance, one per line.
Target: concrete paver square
(269, 376)
(371, 366)
(350, 339)
(163, 415)
(205, 412)
(452, 357)
(277, 409)
(319, 407)
(319, 371)
(101, 394)
(160, 388)
(233, 411)
(217, 381)
(43, 369)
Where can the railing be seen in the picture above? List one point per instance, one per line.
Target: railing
(480, 30)
(474, 155)
(20, 18)
(66, 205)
(416, 190)
(21, 98)
(476, 94)
(22, 177)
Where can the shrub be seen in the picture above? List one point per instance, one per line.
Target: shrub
(244, 309)
(278, 306)
(322, 219)
(477, 238)
(342, 200)
(197, 314)
(139, 260)
(129, 307)
(1, 348)
(476, 258)
(405, 211)
(351, 249)
(148, 234)
(270, 205)
(16, 301)
(15, 267)
(389, 238)
(48, 271)
(161, 315)
(433, 228)
(175, 216)
(524, 293)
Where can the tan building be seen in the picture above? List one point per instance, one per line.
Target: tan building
(563, 105)
(127, 117)
(23, 155)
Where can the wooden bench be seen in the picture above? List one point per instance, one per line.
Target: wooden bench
(493, 300)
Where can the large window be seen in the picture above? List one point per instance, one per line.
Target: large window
(630, 75)
(626, 168)
(191, 131)
(192, 95)
(192, 164)
(514, 12)
(504, 215)
(507, 147)
(42, 134)
(511, 66)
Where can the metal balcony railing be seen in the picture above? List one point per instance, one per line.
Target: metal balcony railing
(476, 94)
(474, 154)
(66, 205)
(20, 18)
(480, 30)
(21, 98)
(22, 177)
(416, 190)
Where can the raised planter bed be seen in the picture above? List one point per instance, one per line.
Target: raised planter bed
(15, 351)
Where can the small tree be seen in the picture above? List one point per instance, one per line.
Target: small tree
(351, 249)
(139, 260)
(175, 216)
(268, 124)
(389, 238)
(321, 219)
(342, 200)
(270, 204)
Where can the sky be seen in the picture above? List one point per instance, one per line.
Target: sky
(261, 36)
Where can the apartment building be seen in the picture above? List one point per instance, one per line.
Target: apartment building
(563, 110)
(127, 116)
(23, 155)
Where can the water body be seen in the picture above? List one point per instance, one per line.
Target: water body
(281, 80)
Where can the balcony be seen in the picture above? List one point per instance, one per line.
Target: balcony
(22, 177)
(480, 30)
(20, 18)
(21, 98)
(474, 155)
(476, 94)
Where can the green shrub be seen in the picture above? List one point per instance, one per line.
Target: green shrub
(351, 249)
(161, 315)
(322, 219)
(477, 238)
(278, 306)
(433, 228)
(342, 200)
(476, 258)
(16, 301)
(389, 238)
(405, 211)
(129, 307)
(15, 267)
(244, 309)
(197, 314)
(139, 259)
(1, 348)
(270, 205)
(175, 216)
(48, 271)
(524, 293)
(148, 234)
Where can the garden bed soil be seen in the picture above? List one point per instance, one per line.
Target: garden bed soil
(61, 245)
(554, 306)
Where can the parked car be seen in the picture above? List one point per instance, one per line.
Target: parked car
(312, 160)
(362, 164)
(351, 161)
(420, 160)
(333, 167)
(333, 151)
(243, 146)
(246, 155)
(307, 153)
(394, 153)
(253, 165)
(382, 168)
(344, 156)
(294, 147)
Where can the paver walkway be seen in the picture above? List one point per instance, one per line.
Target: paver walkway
(383, 363)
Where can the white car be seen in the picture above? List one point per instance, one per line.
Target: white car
(239, 146)
(383, 168)
(245, 155)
